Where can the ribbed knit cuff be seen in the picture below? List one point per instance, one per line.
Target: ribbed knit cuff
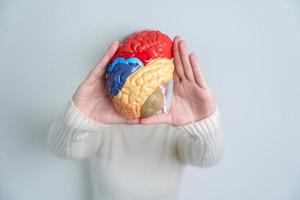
(204, 128)
(71, 131)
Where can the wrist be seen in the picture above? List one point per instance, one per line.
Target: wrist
(81, 105)
(205, 111)
(77, 113)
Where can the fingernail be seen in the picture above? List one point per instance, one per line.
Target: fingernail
(181, 43)
(114, 42)
(177, 37)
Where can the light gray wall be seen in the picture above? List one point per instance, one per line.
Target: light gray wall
(250, 54)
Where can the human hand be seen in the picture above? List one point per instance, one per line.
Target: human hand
(192, 99)
(92, 97)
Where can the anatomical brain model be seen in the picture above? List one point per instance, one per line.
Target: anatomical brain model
(138, 72)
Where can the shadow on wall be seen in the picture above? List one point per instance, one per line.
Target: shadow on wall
(27, 164)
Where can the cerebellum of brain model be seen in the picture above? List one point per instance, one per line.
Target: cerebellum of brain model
(138, 72)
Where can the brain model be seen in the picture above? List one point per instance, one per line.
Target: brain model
(138, 72)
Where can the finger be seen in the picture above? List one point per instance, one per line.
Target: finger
(198, 75)
(176, 79)
(184, 56)
(177, 60)
(156, 119)
(100, 67)
(99, 70)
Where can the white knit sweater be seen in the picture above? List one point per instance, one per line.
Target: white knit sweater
(136, 162)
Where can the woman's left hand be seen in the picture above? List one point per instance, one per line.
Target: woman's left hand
(192, 99)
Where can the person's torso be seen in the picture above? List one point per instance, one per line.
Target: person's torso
(137, 162)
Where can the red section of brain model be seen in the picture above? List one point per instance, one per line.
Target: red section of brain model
(146, 46)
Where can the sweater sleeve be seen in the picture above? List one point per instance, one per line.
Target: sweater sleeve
(73, 135)
(200, 143)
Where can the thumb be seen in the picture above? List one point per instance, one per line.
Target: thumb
(157, 119)
(99, 70)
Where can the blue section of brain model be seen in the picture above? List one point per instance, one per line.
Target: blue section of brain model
(119, 71)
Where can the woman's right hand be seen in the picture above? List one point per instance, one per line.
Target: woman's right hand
(92, 97)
